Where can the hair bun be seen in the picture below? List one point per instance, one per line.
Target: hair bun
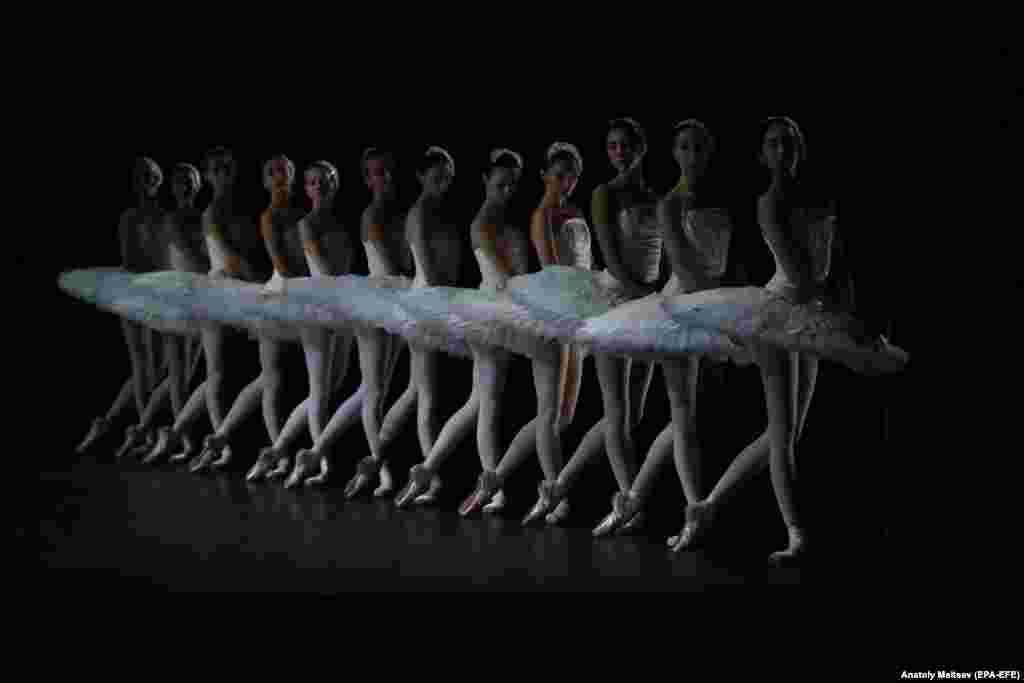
(434, 149)
(558, 147)
(501, 151)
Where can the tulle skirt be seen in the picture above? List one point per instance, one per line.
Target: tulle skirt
(533, 316)
(754, 317)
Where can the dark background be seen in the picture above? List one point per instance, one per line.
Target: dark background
(854, 427)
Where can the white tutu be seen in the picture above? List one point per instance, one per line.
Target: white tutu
(753, 316)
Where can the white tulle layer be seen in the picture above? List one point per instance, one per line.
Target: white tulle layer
(531, 316)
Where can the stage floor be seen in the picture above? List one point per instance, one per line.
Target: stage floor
(127, 527)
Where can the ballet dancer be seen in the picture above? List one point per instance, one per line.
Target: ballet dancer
(328, 252)
(382, 230)
(697, 249)
(501, 253)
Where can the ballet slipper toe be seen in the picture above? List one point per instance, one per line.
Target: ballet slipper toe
(202, 461)
(164, 443)
(497, 503)
(256, 472)
(624, 509)
(132, 437)
(223, 460)
(355, 485)
(321, 478)
(419, 480)
(487, 485)
(296, 476)
(548, 497)
(367, 468)
(281, 469)
(431, 495)
(795, 553)
(633, 524)
(698, 519)
(559, 514)
(99, 427)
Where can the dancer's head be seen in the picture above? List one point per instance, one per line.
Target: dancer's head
(185, 183)
(692, 147)
(220, 169)
(782, 144)
(502, 175)
(278, 173)
(377, 166)
(562, 168)
(626, 142)
(436, 171)
(321, 181)
(147, 177)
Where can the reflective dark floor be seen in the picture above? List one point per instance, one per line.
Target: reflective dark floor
(130, 527)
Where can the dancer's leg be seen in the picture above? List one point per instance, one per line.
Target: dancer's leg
(640, 375)
(613, 375)
(491, 372)
(778, 370)
(270, 361)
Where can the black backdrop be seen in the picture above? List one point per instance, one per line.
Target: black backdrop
(853, 425)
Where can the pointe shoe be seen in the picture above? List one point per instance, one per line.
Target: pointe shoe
(148, 443)
(559, 514)
(187, 449)
(486, 486)
(795, 552)
(420, 478)
(265, 461)
(132, 438)
(213, 445)
(99, 428)
(202, 461)
(282, 465)
(625, 509)
(305, 462)
(430, 497)
(224, 458)
(497, 503)
(167, 439)
(387, 483)
(321, 478)
(699, 517)
(367, 468)
(549, 495)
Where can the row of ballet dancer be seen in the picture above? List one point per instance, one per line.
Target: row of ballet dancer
(416, 242)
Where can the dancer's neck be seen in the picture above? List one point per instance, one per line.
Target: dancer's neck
(782, 180)
(280, 198)
(147, 203)
(552, 199)
(632, 176)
